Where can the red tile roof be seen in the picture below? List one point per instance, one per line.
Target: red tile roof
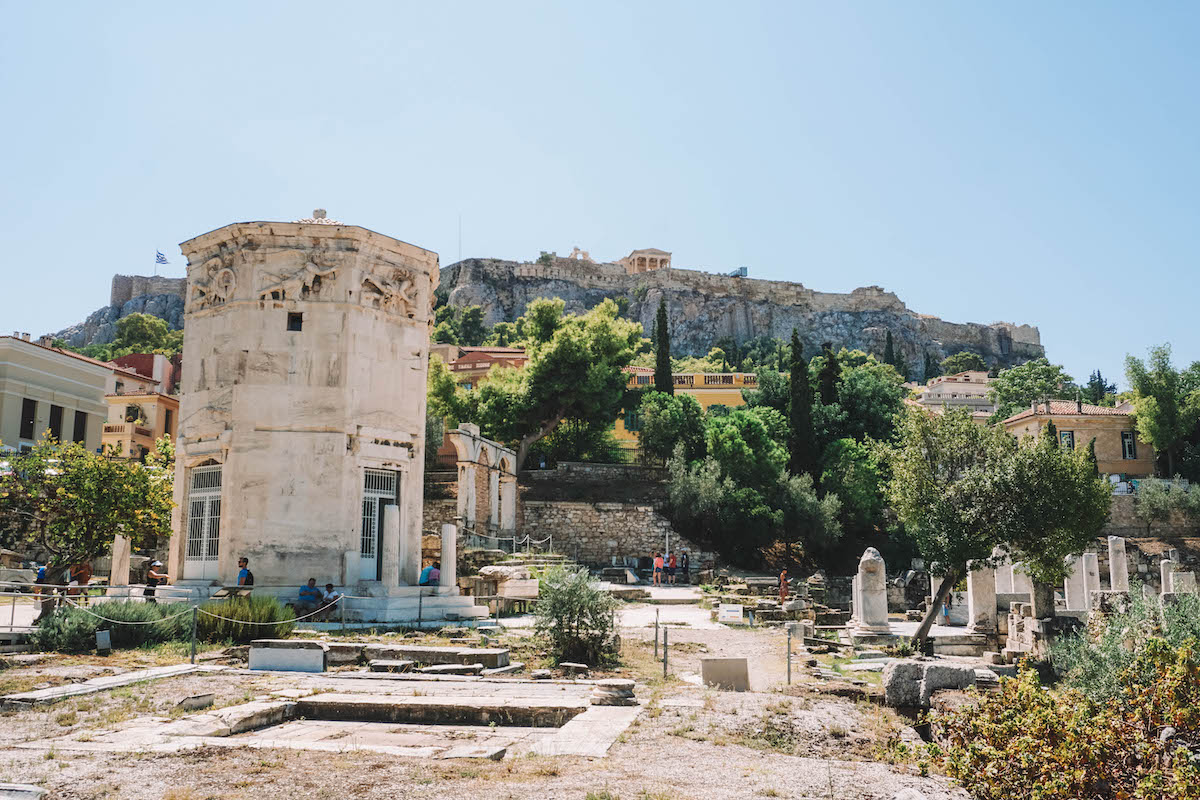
(1067, 408)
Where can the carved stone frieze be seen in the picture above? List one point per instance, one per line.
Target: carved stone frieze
(396, 293)
(296, 283)
(216, 284)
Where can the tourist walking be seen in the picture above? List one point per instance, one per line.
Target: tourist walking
(658, 569)
(153, 579)
(671, 565)
(245, 576)
(783, 587)
(683, 567)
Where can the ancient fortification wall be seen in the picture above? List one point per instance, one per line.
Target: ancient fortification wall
(127, 287)
(704, 306)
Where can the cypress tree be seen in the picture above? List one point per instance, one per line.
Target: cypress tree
(1091, 455)
(663, 380)
(889, 351)
(931, 367)
(830, 376)
(802, 438)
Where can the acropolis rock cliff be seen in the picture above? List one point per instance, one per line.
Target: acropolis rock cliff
(704, 307)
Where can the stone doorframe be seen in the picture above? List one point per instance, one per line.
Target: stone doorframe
(482, 462)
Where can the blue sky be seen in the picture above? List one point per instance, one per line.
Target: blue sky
(1029, 162)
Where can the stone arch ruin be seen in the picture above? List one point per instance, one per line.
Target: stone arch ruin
(487, 483)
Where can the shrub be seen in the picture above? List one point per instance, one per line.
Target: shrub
(1093, 661)
(66, 630)
(73, 630)
(252, 617)
(576, 618)
(1026, 741)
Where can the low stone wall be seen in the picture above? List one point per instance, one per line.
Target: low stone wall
(1124, 522)
(595, 533)
(570, 471)
(437, 513)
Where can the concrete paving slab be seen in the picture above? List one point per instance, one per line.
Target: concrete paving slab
(56, 693)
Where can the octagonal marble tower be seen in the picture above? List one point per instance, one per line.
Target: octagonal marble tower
(302, 414)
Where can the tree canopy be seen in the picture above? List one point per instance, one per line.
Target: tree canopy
(963, 361)
(72, 503)
(668, 421)
(136, 333)
(963, 491)
(1016, 388)
(1166, 401)
(574, 371)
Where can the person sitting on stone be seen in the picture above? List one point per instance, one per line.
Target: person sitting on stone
(311, 598)
(431, 575)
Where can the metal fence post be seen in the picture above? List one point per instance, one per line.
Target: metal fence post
(656, 634)
(789, 655)
(195, 613)
(342, 603)
(420, 604)
(666, 655)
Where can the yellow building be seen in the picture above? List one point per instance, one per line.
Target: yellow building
(709, 389)
(1119, 451)
(137, 419)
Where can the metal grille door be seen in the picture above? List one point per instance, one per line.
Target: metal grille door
(204, 523)
(378, 485)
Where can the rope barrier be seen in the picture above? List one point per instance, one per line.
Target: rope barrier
(71, 602)
(276, 622)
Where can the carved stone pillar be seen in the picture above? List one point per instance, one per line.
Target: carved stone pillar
(1118, 566)
(449, 571)
(981, 600)
(466, 494)
(392, 554)
(118, 574)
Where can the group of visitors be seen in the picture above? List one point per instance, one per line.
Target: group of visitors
(670, 564)
(313, 599)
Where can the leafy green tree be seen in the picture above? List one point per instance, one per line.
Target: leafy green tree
(803, 456)
(871, 395)
(775, 423)
(809, 520)
(1157, 500)
(579, 440)
(773, 391)
(852, 472)
(742, 445)
(472, 330)
(504, 334)
(445, 333)
(1098, 391)
(889, 351)
(963, 361)
(1018, 387)
(71, 502)
(138, 333)
(669, 421)
(663, 380)
(710, 507)
(575, 371)
(1166, 401)
(830, 376)
(963, 491)
(575, 618)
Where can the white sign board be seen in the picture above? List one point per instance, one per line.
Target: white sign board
(729, 612)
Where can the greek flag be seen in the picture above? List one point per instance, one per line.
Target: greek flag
(159, 258)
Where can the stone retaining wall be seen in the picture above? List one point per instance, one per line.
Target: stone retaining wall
(595, 533)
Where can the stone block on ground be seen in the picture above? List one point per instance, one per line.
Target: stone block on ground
(613, 692)
(573, 668)
(288, 655)
(732, 674)
(513, 667)
(541, 674)
(196, 702)
(452, 669)
(902, 683)
(21, 791)
(390, 665)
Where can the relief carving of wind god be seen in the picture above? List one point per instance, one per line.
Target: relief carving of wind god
(396, 294)
(296, 284)
(215, 286)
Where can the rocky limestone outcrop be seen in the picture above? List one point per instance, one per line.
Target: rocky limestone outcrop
(101, 326)
(703, 307)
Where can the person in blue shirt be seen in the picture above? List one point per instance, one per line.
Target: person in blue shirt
(245, 576)
(431, 575)
(311, 598)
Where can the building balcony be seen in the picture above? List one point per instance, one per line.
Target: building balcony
(127, 429)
